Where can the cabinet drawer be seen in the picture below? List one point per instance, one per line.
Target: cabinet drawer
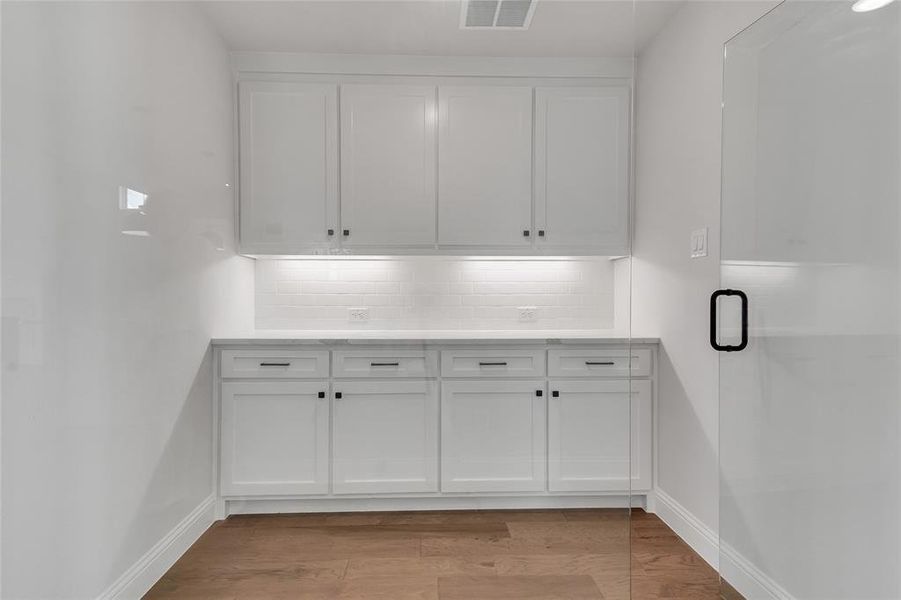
(492, 363)
(599, 362)
(386, 363)
(274, 364)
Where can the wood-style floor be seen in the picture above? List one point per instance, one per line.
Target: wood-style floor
(460, 555)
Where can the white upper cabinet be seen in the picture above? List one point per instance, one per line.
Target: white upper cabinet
(388, 165)
(288, 166)
(429, 168)
(582, 168)
(485, 166)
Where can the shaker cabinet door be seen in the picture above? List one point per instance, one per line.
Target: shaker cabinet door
(288, 167)
(582, 168)
(485, 166)
(493, 436)
(274, 438)
(388, 165)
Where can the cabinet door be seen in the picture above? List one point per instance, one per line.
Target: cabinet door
(274, 438)
(289, 166)
(388, 165)
(485, 166)
(385, 437)
(582, 168)
(595, 431)
(493, 436)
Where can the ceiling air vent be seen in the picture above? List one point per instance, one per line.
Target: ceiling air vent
(497, 14)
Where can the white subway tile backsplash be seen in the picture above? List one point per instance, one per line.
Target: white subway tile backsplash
(432, 293)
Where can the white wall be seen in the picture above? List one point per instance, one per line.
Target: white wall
(678, 125)
(435, 293)
(106, 427)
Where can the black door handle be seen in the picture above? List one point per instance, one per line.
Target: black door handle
(744, 321)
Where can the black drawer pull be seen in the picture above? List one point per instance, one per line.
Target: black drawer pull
(331, 232)
(604, 363)
(492, 364)
(346, 232)
(555, 394)
(321, 394)
(270, 364)
(338, 395)
(384, 364)
(539, 393)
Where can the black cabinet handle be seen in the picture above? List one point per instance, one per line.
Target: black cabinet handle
(331, 232)
(555, 394)
(492, 364)
(539, 393)
(322, 394)
(541, 233)
(384, 364)
(272, 364)
(526, 233)
(744, 321)
(346, 232)
(606, 363)
(338, 396)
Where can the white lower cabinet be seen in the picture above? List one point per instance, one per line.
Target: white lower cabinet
(385, 437)
(274, 438)
(596, 430)
(350, 421)
(493, 436)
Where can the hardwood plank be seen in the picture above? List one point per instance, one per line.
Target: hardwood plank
(435, 555)
(584, 531)
(519, 587)
(389, 588)
(432, 566)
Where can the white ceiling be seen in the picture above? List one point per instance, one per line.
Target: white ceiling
(575, 28)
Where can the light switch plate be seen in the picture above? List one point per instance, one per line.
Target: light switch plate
(699, 243)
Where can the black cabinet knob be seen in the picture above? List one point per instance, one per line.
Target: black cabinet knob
(322, 394)
(539, 393)
(338, 395)
(346, 232)
(525, 233)
(331, 232)
(555, 394)
(541, 233)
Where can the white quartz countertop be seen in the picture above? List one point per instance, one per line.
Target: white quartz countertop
(370, 336)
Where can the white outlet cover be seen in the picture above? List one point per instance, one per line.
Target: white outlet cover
(528, 314)
(358, 315)
(699, 243)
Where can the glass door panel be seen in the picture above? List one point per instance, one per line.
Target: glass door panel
(809, 410)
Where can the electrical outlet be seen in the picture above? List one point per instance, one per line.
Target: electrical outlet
(358, 315)
(528, 314)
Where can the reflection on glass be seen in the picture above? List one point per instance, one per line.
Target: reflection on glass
(810, 412)
(130, 199)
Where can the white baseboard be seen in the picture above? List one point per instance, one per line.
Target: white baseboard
(140, 577)
(750, 581)
(747, 579)
(696, 534)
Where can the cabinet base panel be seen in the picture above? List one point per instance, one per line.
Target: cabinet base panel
(244, 506)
